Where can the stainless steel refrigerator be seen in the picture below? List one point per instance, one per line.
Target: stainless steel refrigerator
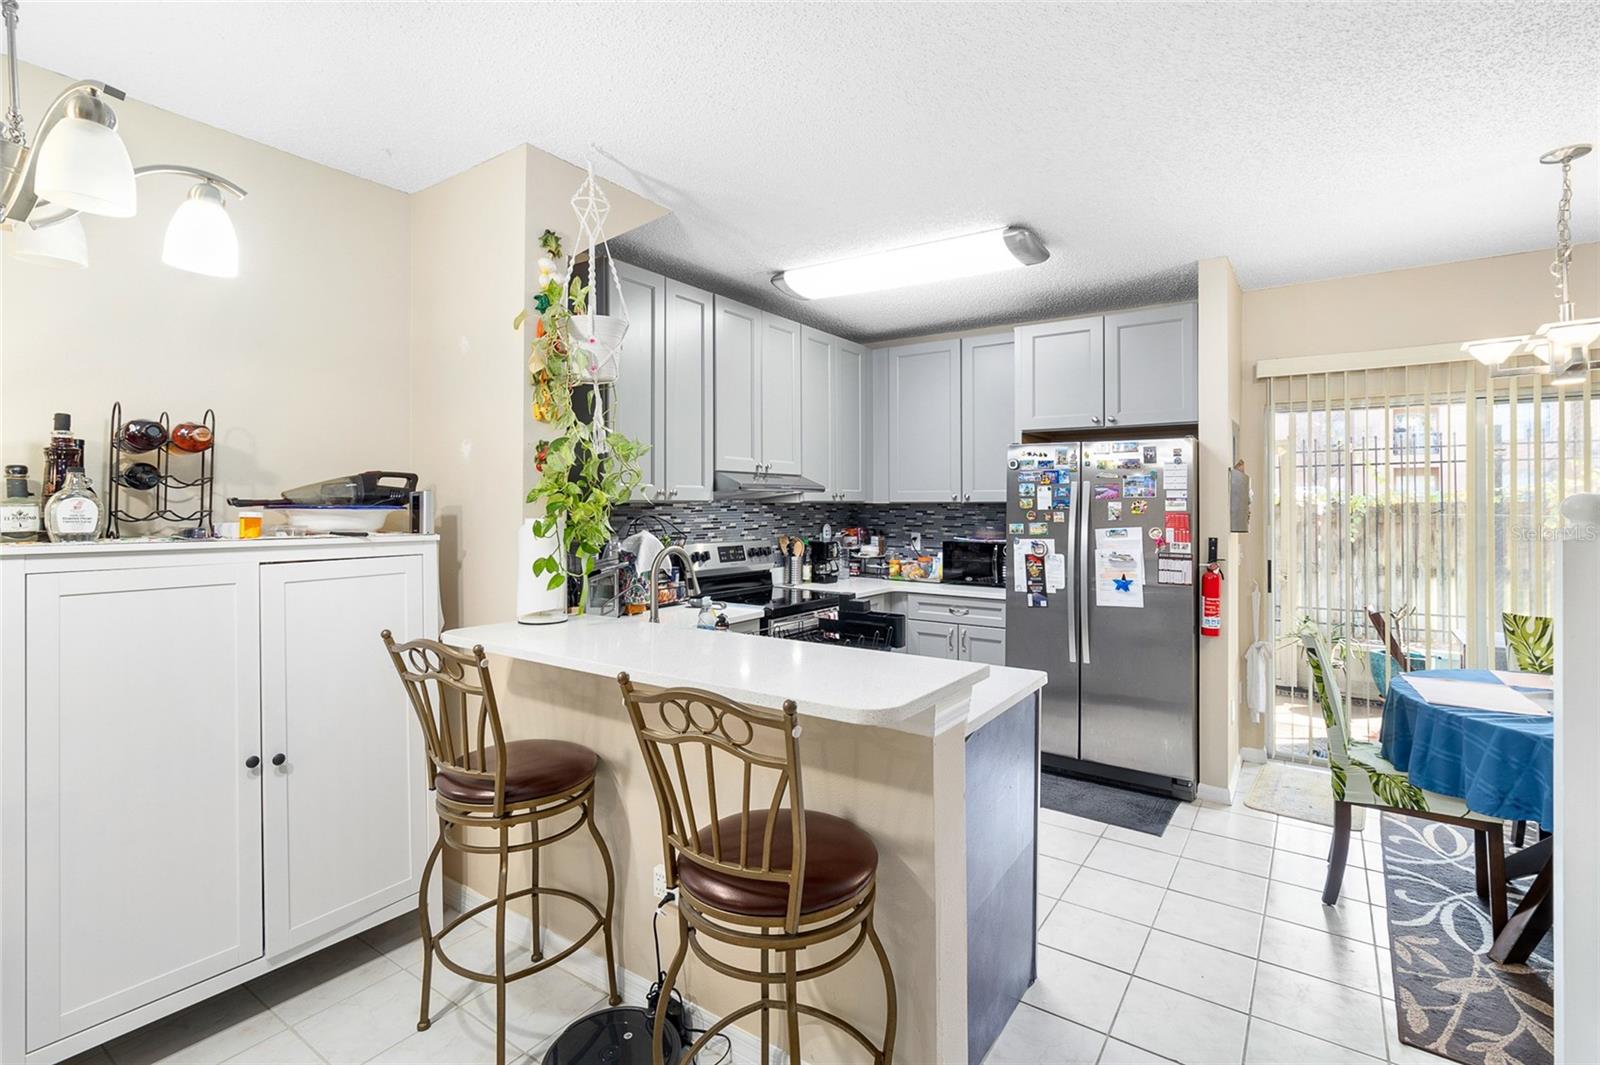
(1103, 594)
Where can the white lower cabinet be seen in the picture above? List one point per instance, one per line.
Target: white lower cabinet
(154, 852)
(344, 833)
(143, 824)
(979, 644)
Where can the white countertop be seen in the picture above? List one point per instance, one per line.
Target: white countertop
(853, 685)
(137, 545)
(1002, 689)
(684, 616)
(869, 587)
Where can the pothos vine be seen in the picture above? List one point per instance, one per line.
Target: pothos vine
(584, 469)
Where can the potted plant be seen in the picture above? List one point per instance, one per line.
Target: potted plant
(584, 469)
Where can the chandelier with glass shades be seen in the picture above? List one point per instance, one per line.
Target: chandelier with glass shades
(1562, 346)
(77, 164)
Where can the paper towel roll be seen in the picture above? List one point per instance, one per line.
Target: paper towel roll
(537, 602)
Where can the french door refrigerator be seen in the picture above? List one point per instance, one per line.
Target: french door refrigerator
(1103, 596)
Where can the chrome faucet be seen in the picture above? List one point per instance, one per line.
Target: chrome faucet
(664, 556)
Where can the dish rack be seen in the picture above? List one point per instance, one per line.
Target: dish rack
(161, 507)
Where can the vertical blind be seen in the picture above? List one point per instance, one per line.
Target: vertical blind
(1428, 491)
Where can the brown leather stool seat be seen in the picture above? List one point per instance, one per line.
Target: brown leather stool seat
(534, 769)
(840, 861)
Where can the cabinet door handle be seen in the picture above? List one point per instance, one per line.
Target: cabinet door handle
(967, 498)
(253, 761)
(279, 758)
(1094, 419)
(950, 640)
(964, 637)
(954, 496)
(1110, 420)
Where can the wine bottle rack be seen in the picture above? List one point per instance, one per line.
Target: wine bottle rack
(159, 504)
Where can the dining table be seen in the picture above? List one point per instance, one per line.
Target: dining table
(1494, 749)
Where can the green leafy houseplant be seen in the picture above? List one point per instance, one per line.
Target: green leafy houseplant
(584, 469)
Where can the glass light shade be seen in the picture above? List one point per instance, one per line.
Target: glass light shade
(940, 260)
(59, 244)
(200, 237)
(84, 165)
(1577, 374)
(1578, 333)
(1493, 352)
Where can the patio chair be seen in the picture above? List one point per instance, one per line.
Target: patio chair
(1361, 776)
(1531, 641)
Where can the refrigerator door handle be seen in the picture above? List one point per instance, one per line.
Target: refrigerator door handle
(1072, 562)
(1087, 561)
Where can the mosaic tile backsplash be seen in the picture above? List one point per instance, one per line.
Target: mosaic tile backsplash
(729, 519)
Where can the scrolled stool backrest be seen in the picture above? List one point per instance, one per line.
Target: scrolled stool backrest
(454, 702)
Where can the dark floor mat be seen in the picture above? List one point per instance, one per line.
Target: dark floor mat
(1107, 803)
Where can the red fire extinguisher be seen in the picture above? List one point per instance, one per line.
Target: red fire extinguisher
(1211, 601)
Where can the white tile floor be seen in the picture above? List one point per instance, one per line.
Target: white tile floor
(357, 1001)
(1207, 944)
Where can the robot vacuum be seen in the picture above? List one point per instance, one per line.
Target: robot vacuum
(618, 1036)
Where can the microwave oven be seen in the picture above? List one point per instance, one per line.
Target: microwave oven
(980, 562)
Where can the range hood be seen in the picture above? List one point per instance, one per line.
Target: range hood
(732, 485)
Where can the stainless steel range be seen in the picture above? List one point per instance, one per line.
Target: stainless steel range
(741, 572)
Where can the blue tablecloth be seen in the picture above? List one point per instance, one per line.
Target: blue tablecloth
(1502, 764)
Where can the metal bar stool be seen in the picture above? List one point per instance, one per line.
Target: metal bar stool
(767, 877)
(484, 783)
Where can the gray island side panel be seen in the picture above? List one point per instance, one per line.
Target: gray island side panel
(1002, 803)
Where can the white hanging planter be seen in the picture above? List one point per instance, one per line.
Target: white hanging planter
(599, 336)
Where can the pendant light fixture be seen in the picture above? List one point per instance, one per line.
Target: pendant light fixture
(79, 164)
(939, 260)
(1561, 346)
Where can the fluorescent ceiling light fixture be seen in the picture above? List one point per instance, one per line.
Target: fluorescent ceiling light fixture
(972, 255)
(61, 243)
(1493, 352)
(83, 165)
(200, 237)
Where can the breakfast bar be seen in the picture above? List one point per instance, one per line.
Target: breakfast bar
(936, 760)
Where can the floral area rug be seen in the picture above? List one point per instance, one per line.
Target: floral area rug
(1449, 997)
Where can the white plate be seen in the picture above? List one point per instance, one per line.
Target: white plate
(318, 519)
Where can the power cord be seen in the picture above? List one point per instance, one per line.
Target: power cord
(677, 1009)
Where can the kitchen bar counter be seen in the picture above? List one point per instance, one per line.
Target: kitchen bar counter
(936, 760)
(846, 684)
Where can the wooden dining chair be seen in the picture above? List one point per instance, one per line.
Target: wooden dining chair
(1361, 776)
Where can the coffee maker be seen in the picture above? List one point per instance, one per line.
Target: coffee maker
(825, 557)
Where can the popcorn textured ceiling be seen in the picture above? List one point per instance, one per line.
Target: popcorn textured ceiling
(1302, 141)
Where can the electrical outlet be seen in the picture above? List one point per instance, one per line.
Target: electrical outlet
(658, 883)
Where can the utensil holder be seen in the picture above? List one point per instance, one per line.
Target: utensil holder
(794, 570)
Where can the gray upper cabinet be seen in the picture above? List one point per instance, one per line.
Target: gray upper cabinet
(640, 396)
(1133, 369)
(987, 416)
(685, 461)
(1060, 380)
(924, 404)
(852, 398)
(782, 439)
(816, 410)
(664, 378)
(1152, 366)
(738, 386)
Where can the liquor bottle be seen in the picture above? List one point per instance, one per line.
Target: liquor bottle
(62, 453)
(19, 511)
(139, 475)
(74, 514)
(139, 435)
(191, 436)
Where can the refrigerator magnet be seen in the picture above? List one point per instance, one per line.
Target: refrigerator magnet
(1039, 528)
(1114, 511)
(1058, 516)
(1150, 455)
(1138, 507)
(1139, 485)
(1014, 527)
(1177, 502)
(1103, 492)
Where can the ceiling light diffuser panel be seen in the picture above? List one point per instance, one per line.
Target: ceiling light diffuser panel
(971, 255)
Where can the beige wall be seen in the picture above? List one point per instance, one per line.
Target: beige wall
(1500, 296)
(302, 356)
